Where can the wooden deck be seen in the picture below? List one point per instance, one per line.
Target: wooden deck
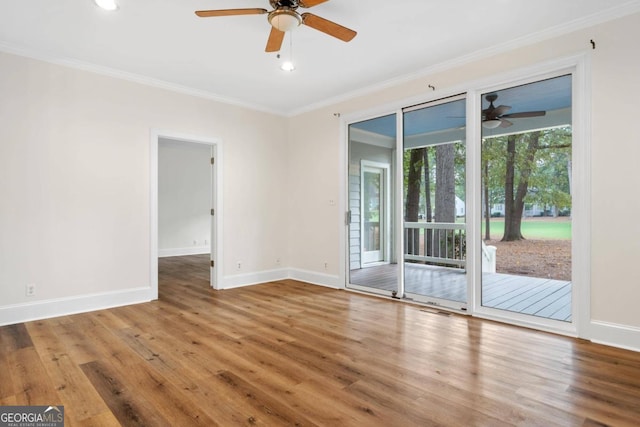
(546, 298)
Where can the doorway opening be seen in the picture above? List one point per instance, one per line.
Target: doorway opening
(185, 205)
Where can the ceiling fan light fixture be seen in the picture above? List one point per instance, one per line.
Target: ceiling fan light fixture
(109, 5)
(287, 66)
(491, 124)
(284, 19)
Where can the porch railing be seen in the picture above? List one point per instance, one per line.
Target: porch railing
(435, 243)
(371, 235)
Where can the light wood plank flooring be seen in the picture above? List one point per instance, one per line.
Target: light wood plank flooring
(546, 298)
(288, 353)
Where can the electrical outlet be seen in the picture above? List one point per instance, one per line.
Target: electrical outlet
(278, 261)
(239, 265)
(326, 265)
(30, 290)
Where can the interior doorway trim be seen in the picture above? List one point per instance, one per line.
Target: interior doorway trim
(216, 203)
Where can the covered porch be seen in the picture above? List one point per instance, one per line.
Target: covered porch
(540, 297)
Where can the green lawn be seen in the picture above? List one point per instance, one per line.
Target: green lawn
(551, 228)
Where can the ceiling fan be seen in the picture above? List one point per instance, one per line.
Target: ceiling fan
(493, 117)
(285, 17)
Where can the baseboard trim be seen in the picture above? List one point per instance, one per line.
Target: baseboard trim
(194, 250)
(311, 277)
(240, 280)
(615, 335)
(315, 278)
(610, 334)
(46, 309)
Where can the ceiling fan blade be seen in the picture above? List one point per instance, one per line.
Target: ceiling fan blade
(275, 40)
(500, 110)
(311, 3)
(505, 123)
(328, 27)
(525, 114)
(230, 12)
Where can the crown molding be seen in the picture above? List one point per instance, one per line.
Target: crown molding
(624, 9)
(131, 77)
(616, 12)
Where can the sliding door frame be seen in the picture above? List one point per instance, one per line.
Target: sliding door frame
(579, 67)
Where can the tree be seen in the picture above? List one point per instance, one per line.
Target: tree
(427, 186)
(412, 200)
(445, 184)
(427, 168)
(427, 200)
(493, 167)
(550, 181)
(514, 195)
(485, 199)
(445, 192)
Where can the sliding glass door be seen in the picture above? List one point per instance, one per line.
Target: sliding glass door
(505, 249)
(430, 236)
(372, 255)
(527, 207)
(434, 203)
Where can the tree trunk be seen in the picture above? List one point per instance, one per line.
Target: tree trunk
(427, 201)
(487, 206)
(445, 184)
(514, 200)
(445, 191)
(412, 206)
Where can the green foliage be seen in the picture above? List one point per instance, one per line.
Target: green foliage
(549, 182)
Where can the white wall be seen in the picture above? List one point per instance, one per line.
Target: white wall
(614, 84)
(74, 180)
(75, 186)
(184, 198)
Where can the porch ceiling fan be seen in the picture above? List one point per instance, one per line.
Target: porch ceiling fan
(285, 17)
(493, 117)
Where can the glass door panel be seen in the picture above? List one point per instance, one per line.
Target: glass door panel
(434, 203)
(526, 200)
(373, 213)
(372, 257)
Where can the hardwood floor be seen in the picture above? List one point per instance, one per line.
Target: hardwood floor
(288, 353)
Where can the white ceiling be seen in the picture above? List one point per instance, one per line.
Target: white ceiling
(163, 42)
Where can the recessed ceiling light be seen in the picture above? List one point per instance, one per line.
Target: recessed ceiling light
(107, 4)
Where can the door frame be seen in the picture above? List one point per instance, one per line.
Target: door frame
(441, 303)
(385, 214)
(216, 240)
(579, 66)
